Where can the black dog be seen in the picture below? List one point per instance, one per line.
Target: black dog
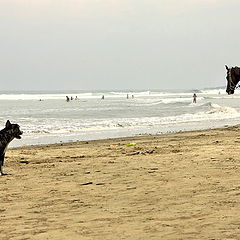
(7, 134)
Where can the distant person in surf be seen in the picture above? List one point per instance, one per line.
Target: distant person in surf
(194, 98)
(67, 99)
(102, 97)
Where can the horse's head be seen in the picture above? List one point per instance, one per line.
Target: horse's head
(233, 77)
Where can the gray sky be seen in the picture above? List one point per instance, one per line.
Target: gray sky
(117, 44)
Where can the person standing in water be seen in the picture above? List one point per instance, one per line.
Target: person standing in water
(194, 98)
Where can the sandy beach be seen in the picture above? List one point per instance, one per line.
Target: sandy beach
(173, 186)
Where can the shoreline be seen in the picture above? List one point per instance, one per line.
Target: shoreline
(62, 143)
(169, 186)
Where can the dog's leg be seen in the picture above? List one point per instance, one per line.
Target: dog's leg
(1, 164)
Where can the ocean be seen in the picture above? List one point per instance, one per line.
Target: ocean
(46, 117)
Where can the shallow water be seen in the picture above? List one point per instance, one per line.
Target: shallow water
(54, 120)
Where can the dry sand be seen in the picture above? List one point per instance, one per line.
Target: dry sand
(176, 186)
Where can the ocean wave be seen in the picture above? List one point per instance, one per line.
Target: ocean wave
(216, 91)
(147, 110)
(143, 93)
(38, 97)
(64, 126)
(98, 95)
(111, 94)
(213, 108)
(176, 100)
(217, 109)
(173, 100)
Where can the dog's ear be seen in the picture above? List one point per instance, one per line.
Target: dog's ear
(226, 67)
(8, 124)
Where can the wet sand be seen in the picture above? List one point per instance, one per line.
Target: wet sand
(175, 186)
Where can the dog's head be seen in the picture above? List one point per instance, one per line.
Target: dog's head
(14, 129)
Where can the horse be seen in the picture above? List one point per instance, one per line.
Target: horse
(233, 77)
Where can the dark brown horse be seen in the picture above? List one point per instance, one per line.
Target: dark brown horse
(233, 77)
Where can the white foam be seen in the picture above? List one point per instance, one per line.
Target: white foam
(176, 100)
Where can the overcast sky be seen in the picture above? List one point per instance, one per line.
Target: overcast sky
(117, 44)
